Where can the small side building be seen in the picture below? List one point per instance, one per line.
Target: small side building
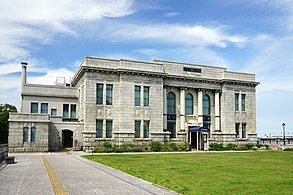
(133, 101)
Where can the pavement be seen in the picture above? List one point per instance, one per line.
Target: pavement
(39, 173)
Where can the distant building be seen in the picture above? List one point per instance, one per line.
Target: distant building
(133, 101)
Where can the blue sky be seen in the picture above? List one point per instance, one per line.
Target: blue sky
(249, 36)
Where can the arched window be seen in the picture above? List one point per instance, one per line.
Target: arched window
(206, 105)
(188, 104)
(171, 103)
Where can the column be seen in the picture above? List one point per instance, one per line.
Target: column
(200, 112)
(182, 109)
(217, 111)
(165, 108)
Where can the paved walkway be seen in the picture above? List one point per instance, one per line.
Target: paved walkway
(76, 175)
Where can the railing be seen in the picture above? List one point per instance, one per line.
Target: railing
(3, 152)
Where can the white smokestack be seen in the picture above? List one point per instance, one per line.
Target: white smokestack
(23, 73)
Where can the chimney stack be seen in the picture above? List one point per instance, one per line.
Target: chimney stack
(23, 73)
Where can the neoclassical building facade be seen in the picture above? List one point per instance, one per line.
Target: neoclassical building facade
(134, 101)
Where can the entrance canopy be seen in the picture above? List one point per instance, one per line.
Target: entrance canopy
(198, 129)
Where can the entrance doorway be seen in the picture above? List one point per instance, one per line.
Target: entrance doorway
(198, 137)
(67, 138)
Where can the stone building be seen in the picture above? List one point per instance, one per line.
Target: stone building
(133, 101)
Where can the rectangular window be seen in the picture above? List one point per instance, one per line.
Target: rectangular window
(33, 134)
(73, 111)
(137, 129)
(137, 96)
(243, 102)
(34, 107)
(109, 94)
(44, 108)
(146, 96)
(146, 127)
(99, 128)
(99, 93)
(53, 112)
(65, 110)
(109, 129)
(171, 127)
(236, 101)
(192, 69)
(243, 130)
(25, 134)
(237, 125)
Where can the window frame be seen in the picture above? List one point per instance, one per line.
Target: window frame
(109, 94)
(109, 128)
(236, 100)
(55, 109)
(33, 110)
(33, 134)
(189, 104)
(42, 105)
(64, 111)
(243, 97)
(244, 130)
(72, 111)
(137, 94)
(137, 127)
(171, 99)
(206, 106)
(25, 134)
(99, 128)
(99, 93)
(237, 130)
(146, 129)
(146, 96)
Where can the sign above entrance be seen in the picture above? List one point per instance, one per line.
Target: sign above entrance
(198, 128)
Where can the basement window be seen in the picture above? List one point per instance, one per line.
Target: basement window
(188, 69)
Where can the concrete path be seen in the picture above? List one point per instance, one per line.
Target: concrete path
(76, 174)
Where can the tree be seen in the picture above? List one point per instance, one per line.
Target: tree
(4, 125)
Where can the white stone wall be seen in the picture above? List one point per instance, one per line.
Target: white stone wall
(16, 124)
(124, 75)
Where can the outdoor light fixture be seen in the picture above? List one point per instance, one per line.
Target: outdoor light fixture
(284, 125)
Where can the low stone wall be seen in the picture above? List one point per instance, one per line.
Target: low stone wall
(3, 152)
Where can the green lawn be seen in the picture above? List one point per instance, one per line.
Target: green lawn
(210, 173)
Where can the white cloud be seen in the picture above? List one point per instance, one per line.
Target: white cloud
(24, 21)
(50, 77)
(172, 14)
(175, 33)
(197, 55)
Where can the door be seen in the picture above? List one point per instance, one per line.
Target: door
(67, 138)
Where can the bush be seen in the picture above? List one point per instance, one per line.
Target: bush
(231, 147)
(156, 146)
(247, 147)
(107, 145)
(173, 146)
(216, 147)
(183, 146)
(288, 149)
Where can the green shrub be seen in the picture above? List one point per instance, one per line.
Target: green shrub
(288, 149)
(99, 149)
(183, 146)
(231, 147)
(156, 146)
(216, 147)
(107, 145)
(247, 147)
(173, 146)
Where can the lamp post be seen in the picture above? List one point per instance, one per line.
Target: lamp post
(284, 125)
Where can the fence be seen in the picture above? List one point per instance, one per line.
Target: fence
(3, 152)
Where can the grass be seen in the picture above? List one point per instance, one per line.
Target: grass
(210, 173)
